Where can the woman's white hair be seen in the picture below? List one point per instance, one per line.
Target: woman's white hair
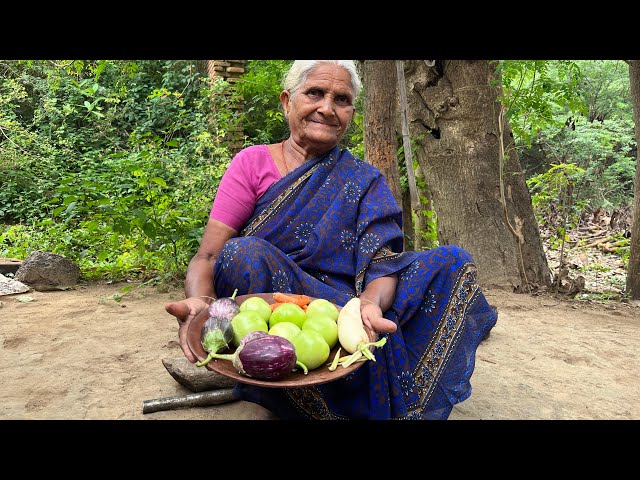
(299, 71)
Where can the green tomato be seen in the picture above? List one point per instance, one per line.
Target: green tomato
(311, 349)
(257, 304)
(324, 325)
(287, 330)
(288, 312)
(323, 307)
(246, 322)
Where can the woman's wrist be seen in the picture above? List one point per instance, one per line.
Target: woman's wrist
(205, 298)
(366, 301)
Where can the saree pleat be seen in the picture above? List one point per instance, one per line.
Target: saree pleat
(328, 229)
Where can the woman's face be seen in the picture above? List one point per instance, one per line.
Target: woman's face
(320, 111)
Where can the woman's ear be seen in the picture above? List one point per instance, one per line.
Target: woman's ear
(285, 98)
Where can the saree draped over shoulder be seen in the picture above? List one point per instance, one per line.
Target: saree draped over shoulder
(329, 228)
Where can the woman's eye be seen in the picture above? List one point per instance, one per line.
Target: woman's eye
(343, 100)
(340, 100)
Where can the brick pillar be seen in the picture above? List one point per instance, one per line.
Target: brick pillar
(231, 71)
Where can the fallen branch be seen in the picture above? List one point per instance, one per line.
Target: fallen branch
(596, 243)
(612, 247)
(202, 399)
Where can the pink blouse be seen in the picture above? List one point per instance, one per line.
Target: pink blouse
(250, 173)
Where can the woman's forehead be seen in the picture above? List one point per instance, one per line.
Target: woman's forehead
(324, 75)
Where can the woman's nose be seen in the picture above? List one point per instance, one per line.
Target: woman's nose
(327, 105)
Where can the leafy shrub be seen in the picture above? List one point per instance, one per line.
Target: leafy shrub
(113, 164)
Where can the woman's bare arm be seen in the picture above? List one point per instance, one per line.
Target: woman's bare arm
(377, 298)
(199, 278)
(199, 289)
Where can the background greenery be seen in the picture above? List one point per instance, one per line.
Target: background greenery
(114, 164)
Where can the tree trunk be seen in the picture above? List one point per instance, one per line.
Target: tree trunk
(633, 268)
(379, 120)
(453, 116)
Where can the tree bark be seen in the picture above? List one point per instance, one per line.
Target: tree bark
(633, 268)
(453, 117)
(379, 120)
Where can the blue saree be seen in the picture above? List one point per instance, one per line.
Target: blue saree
(326, 230)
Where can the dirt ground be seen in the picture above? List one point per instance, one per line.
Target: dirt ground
(79, 354)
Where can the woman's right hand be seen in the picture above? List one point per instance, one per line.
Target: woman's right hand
(185, 311)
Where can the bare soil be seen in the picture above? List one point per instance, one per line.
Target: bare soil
(80, 354)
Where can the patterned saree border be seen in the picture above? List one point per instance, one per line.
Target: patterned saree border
(309, 401)
(428, 370)
(437, 354)
(382, 255)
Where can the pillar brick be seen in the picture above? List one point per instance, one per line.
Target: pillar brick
(231, 71)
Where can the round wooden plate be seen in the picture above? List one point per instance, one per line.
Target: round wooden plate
(297, 378)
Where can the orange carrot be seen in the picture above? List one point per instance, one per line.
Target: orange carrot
(275, 305)
(298, 299)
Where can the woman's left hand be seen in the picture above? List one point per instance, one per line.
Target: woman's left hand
(185, 311)
(372, 318)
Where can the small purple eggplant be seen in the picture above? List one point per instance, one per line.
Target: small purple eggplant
(225, 307)
(264, 356)
(217, 331)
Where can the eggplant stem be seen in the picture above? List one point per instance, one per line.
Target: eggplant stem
(223, 356)
(352, 358)
(304, 368)
(336, 359)
(380, 342)
(367, 353)
(205, 361)
(232, 297)
(363, 350)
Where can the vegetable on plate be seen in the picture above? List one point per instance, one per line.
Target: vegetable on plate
(263, 356)
(217, 332)
(352, 335)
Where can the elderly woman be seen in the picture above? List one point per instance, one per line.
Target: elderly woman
(306, 216)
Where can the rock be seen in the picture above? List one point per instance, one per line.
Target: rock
(196, 379)
(48, 269)
(9, 286)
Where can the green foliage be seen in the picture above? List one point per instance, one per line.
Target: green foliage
(260, 87)
(576, 112)
(354, 136)
(554, 204)
(112, 164)
(604, 89)
(429, 233)
(604, 151)
(156, 204)
(549, 188)
(536, 91)
(429, 230)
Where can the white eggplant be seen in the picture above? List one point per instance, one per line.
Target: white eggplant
(352, 335)
(351, 332)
